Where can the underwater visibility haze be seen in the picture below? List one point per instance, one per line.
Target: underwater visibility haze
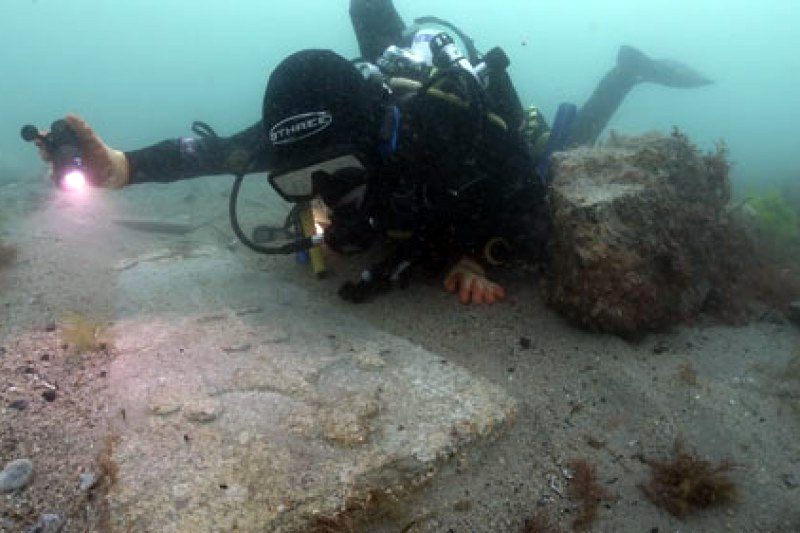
(140, 71)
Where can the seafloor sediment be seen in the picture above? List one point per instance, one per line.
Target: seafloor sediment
(725, 391)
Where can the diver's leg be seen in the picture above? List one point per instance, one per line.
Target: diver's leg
(377, 26)
(601, 106)
(632, 67)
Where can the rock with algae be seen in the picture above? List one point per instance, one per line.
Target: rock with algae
(640, 233)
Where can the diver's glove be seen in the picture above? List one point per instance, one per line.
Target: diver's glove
(109, 167)
(468, 278)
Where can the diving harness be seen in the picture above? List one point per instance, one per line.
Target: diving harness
(400, 74)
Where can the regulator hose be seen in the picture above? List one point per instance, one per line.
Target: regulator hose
(298, 245)
(205, 131)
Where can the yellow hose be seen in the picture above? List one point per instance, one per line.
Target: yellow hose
(316, 254)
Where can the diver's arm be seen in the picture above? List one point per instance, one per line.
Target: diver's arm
(108, 167)
(190, 157)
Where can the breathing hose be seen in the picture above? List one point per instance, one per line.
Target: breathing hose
(205, 131)
(298, 245)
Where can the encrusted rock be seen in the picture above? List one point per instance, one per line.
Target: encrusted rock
(640, 230)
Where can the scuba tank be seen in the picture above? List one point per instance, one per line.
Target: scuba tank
(432, 45)
(431, 48)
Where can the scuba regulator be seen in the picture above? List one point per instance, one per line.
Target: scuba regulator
(444, 56)
(63, 145)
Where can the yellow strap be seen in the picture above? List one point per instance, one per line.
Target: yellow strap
(408, 85)
(315, 254)
(489, 250)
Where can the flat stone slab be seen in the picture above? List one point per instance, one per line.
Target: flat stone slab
(274, 419)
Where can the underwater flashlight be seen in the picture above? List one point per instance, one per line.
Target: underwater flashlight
(63, 145)
(74, 180)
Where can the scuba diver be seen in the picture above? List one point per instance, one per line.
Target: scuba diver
(420, 145)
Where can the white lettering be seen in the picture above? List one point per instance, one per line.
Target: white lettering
(300, 127)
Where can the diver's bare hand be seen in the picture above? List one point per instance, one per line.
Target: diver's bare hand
(468, 278)
(108, 166)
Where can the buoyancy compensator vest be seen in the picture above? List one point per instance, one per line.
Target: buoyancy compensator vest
(450, 140)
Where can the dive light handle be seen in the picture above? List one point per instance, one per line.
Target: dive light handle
(62, 134)
(61, 137)
(62, 145)
(30, 133)
(65, 147)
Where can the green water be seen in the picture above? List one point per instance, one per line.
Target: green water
(142, 70)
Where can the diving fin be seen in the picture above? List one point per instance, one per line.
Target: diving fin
(662, 71)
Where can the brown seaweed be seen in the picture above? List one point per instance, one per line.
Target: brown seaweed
(105, 460)
(586, 488)
(686, 483)
(358, 510)
(687, 374)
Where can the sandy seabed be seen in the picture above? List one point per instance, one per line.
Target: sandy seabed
(725, 392)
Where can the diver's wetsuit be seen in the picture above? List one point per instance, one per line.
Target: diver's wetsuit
(377, 26)
(445, 188)
(457, 182)
(178, 159)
